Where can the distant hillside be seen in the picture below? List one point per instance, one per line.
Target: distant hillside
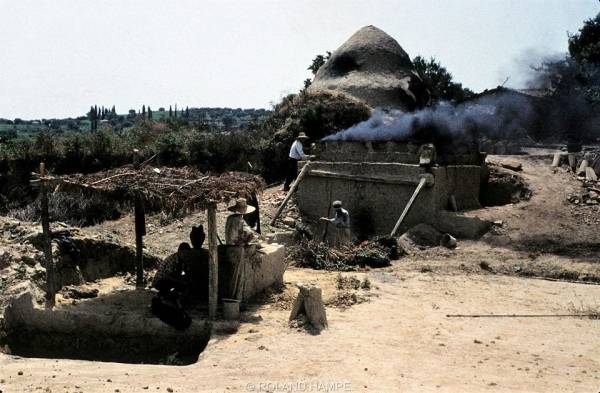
(208, 118)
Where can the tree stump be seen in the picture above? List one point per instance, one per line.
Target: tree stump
(310, 303)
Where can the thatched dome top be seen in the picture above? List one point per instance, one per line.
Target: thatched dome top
(372, 67)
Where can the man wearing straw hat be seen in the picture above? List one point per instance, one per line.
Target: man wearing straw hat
(296, 154)
(237, 231)
(341, 233)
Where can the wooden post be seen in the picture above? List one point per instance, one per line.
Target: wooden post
(556, 160)
(136, 159)
(453, 204)
(582, 167)
(140, 231)
(408, 205)
(291, 192)
(325, 230)
(590, 174)
(572, 161)
(47, 239)
(213, 265)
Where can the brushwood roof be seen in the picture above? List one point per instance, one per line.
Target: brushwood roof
(164, 188)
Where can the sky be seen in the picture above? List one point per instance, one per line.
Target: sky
(59, 57)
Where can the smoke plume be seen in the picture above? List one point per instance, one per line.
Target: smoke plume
(494, 115)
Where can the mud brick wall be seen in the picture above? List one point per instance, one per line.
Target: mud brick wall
(263, 268)
(375, 205)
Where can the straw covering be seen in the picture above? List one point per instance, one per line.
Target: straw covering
(163, 187)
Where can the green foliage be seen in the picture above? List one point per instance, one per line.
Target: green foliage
(317, 115)
(171, 149)
(318, 61)
(43, 148)
(439, 81)
(584, 46)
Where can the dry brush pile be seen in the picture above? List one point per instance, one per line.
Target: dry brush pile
(377, 252)
(167, 188)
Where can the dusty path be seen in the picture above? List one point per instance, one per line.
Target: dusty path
(400, 341)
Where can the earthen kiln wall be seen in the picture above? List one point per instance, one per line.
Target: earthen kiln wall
(375, 191)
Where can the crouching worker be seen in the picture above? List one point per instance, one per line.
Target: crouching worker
(181, 278)
(172, 289)
(170, 275)
(340, 234)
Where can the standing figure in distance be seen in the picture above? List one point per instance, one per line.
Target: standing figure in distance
(296, 154)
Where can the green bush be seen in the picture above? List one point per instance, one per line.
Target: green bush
(317, 115)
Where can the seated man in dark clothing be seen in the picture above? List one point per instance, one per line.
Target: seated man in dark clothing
(186, 271)
(170, 275)
(196, 265)
(171, 282)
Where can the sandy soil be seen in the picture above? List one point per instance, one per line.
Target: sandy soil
(401, 339)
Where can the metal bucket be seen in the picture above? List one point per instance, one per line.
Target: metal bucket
(231, 309)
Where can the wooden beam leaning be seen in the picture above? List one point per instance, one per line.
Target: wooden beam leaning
(213, 264)
(291, 192)
(140, 231)
(47, 240)
(556, 160)
(375, 179)
(408, 205)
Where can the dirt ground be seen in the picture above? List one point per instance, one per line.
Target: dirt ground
(399, 337)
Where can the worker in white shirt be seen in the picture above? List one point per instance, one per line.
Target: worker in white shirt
(296, 154)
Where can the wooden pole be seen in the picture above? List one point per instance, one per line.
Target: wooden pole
(590, 174)
(291, 192)
(213, 265)
(556, 160)
(257, 213)
(140, 231)
(47, 239)
(453, 204)
(582, 167)
(521, 315)
(328, 214)
(572, 161)
(408, 205)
